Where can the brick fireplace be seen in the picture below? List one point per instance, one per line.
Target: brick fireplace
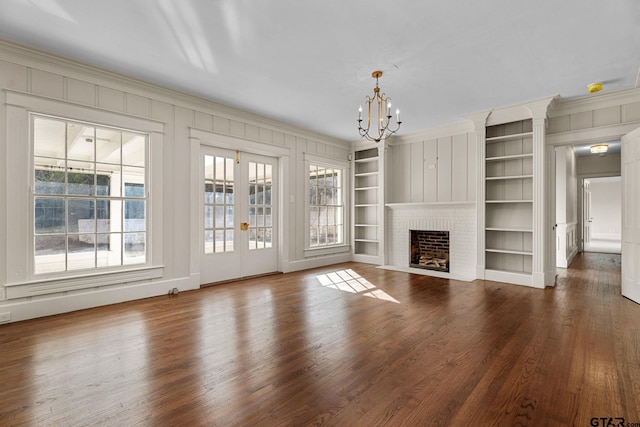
(429, 249)
(458, 219)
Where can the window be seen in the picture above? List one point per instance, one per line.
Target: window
(326, 206)
(89, 196)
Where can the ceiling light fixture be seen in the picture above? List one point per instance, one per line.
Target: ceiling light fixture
(599, 148)
(381, 117)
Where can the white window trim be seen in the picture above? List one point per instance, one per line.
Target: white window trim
(20, 262)
(345, 247)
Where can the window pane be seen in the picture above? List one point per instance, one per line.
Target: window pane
(48, 181)
(80, 142)
(133, 190)
(229, 193)
(252, 238)
(50, 254)
(268, 175)
(108, 146)
(208, 242)
(268, 243)
(229, 240)
(134, 215)
(109, 215)
(260, 195)
(260, 217)
(252, 217)
(49, 216)
(49, 138)
(81, 251)
(109, 250)
(134, 178)
(80, 178)
(134, 248)
(267, 217)
(229, 217)
(133, 149)
(219, 218)
(208, 217)
(219, 242)
(81, 216)
(103, 180)
(219, 197)
(208, 192)
(208, 167)
(267, 195)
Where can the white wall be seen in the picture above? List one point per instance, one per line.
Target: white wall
(606, 208)
(608, 165)
(33, 81)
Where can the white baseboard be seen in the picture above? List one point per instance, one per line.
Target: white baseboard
(323, 261)
(57, 304)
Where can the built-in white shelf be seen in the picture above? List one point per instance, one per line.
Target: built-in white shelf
(502, 178)
(510, 157)
(516, 230)
(424, 204)
(509, 251)
(510, 137)
(367, 199)
(508, 202)
(366, 160)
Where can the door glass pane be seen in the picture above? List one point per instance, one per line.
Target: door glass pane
(260, 221)
(218, 204)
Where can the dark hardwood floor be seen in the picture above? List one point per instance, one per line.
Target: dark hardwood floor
(349, 345)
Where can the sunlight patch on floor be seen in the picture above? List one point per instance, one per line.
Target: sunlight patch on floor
(350, 281)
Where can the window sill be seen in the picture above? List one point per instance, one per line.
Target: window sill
(326, 250)
(47, 286)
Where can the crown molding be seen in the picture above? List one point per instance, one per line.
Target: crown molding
(28, 56)
(457, 128)
(565, 107)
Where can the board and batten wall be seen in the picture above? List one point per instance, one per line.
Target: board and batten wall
(439, 169)
(29, 76)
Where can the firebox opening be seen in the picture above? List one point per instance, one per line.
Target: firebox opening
(429, 250)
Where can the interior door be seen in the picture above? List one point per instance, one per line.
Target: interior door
(238, 215)
(630, 215)
(586, 215)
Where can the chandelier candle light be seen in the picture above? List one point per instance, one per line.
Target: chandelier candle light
(382, 118)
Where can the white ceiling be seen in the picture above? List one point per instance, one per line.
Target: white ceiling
(309, 63)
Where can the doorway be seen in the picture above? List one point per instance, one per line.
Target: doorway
(602, 214)
(239, 214)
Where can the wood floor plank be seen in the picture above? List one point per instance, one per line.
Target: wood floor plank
(346, 345)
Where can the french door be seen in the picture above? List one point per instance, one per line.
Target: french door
(238, 222)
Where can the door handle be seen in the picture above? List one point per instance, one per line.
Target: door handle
(244, 226)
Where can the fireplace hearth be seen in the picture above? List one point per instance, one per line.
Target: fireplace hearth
(429, 250)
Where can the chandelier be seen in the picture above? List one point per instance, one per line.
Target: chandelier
(379, 130)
